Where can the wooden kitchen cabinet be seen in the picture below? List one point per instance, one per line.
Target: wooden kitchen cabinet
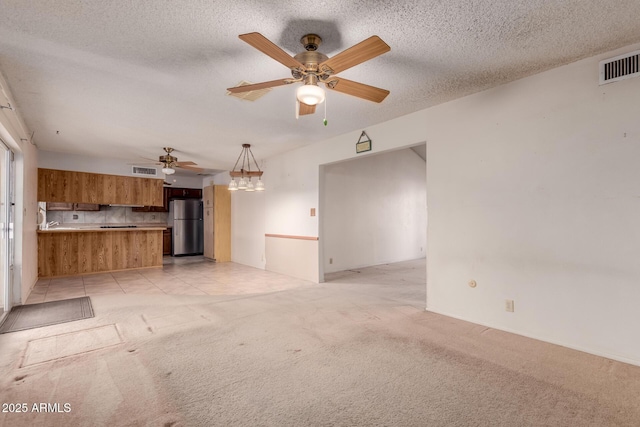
(167, 241)
(207, 199)
(59, 206)
(217, 223)
(207, 219)
(59, 186)
(185, 193)
(83, 187)
(86, 207)
(163, 208)
(64, 253)
(109, 190)
(91, 187)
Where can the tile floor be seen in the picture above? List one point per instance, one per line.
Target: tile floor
(178, 276)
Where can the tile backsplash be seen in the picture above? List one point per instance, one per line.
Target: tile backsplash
(108, 215)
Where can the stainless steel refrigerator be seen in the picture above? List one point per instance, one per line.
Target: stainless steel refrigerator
(186, 218)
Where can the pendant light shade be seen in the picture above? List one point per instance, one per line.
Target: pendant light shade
(168, 171)
(242, 184)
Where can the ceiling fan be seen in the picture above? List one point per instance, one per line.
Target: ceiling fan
(169, 163)
(312, 67)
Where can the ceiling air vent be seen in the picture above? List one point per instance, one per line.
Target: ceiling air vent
(137, 170)
(620, 68)
(252, 95)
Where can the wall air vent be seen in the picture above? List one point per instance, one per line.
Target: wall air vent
(252, 95)
(620, 68)
(138, 170)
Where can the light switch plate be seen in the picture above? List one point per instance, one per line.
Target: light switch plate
(313, 211)
(508, 305)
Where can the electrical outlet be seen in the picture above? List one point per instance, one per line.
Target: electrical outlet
(330, 260)
(313, 211)
(153, 217)
(508, 305)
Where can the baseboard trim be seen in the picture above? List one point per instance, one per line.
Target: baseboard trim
(572, 347)
(286, 236)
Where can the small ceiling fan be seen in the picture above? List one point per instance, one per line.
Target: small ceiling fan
(169, 163)
(311, 67)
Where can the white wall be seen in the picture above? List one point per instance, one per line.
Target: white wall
(247, 228)
(533, 191)
(14, 132)
(292, 181)
(374, 210)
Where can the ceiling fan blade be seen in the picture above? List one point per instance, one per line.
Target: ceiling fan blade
(267, 47)
(144, 163)
(189, 168)
(258, 86)
(357, 54)
(306, 109)
(361, 90)
(189, 163)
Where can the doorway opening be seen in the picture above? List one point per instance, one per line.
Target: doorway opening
(374, 217)
(6, 228)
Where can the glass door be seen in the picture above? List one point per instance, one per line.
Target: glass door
(6, 228)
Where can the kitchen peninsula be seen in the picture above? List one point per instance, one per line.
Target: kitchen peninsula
(69, 251)
(93, 248)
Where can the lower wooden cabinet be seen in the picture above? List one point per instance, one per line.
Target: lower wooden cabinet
(167, 237)
(73, 252)
(217, 224)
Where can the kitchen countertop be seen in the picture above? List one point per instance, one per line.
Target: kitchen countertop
(96, 227)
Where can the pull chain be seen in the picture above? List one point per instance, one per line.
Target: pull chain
(325, 110)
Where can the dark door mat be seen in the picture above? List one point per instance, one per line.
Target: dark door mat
(47, 313)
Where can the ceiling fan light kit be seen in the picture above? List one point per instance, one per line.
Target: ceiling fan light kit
(311, 67)
(245, 173)
(168, 171)
(310, 94)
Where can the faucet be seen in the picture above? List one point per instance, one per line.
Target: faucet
(52, 223)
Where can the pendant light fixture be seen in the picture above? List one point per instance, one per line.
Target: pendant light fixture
(245, 173)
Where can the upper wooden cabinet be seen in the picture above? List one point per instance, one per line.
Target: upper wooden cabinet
(82, 187)
(165, 201)
(185, 193)
(64, 206)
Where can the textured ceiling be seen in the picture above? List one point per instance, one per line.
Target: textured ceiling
(123, 79)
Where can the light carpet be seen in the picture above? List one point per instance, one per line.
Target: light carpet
(336, 354)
